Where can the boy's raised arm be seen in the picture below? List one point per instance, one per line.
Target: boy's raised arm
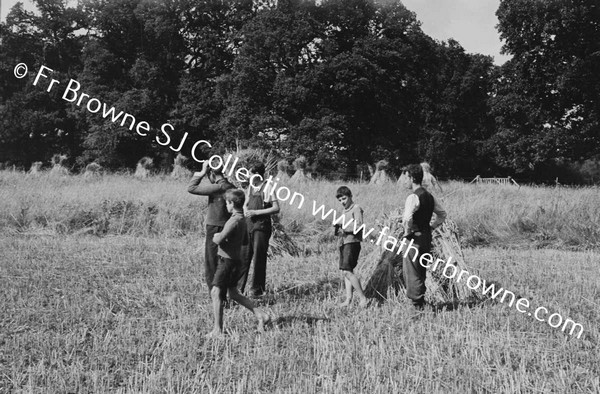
(195, 187)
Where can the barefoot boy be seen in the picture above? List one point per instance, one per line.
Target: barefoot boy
(349, 245)
(230, 244)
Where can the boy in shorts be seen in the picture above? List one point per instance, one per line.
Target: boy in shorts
(230, 242)
(349, 245)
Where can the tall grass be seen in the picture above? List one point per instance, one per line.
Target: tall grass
(161, 206)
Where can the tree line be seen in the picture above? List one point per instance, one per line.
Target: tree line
(341, 82)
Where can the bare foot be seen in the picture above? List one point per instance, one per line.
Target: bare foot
(344, 304)
(263, 318)
(214, 334)
(364, 303)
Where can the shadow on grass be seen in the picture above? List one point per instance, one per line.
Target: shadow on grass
(286, 321)
(452, 305)
(315, 290)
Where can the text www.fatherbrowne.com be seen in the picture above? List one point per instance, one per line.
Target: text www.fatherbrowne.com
(450, 271)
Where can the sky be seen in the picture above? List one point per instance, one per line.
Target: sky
(470, 22)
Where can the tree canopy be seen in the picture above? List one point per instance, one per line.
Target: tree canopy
(341, 82)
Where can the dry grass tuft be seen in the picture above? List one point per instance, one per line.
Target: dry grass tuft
(143, 167)
(179, 169)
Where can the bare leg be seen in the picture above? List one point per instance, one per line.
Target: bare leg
(262, 316)
(350, 277)
(348, 286)
(217, 304)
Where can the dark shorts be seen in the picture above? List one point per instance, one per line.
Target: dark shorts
(349, 256)
(226, 275)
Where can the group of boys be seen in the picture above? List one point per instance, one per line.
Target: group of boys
(228, 252)
(237, 232)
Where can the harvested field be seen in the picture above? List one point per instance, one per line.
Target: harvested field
(123, 308)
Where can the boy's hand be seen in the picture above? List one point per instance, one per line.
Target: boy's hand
(250, 213)
(203, 171)
(216, 235)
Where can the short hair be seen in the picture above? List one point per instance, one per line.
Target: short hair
(216, 171)
(236, 196)
(258, 168)
(415, 172)
(343, 191)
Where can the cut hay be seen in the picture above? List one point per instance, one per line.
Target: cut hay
(364, 171)
(58, 167)
(283, 168)
(381, 177)
(300, 175)
(142, 170)
(429, 182)
(179, 169)
(281, 244)
(92, 170)
(36, 168)
(246, 158)
(381, 275)
(402, 179)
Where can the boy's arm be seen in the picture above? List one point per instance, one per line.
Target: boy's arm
(227, 229)
(410, 207)
(202, 190)
(440, 214)
(265, 211)
(195, 187)
(246, 200)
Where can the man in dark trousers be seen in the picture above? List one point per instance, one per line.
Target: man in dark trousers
(418, 211)
(216, 213)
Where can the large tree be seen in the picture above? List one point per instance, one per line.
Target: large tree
(546, 101)
(34, 124)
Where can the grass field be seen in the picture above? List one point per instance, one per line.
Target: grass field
(102, 291)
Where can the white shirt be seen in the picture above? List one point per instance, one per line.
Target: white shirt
(412, 205)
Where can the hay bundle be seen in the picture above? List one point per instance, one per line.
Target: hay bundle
(179, 169)
(36, 168)
(381, 176)
(281, 244)
(429, 182)
(283, 168)
(58, 167)
(245, 159)
(92, 170)
(300, 174)
(142, 170)
(402, 179)
(383, 270)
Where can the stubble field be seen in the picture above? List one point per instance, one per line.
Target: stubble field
(102, 291)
